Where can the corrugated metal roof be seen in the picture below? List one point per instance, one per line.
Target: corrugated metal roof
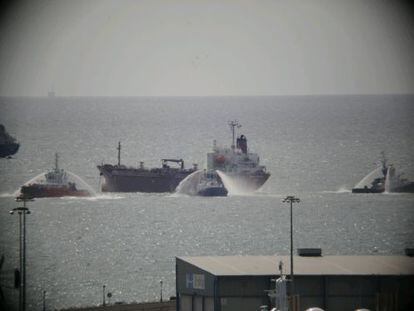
(326, 265)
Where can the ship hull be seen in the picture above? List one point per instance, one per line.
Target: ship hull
(41, 191)
(134, 180)
(367, 190)
(408, 188)
(213, 192)
(8, 149)
(246, 182)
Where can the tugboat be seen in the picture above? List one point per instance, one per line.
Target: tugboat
(237, 163)
(8, 144)
(384, 179)
(55, 184)
(120, 178)
(210, 185)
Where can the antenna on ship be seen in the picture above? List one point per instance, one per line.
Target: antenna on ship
(56, 161)
(383, 163)
(233, 124)
(119, 153)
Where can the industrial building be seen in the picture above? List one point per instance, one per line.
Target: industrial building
(240, 283)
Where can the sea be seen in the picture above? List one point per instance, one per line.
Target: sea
(315, 147)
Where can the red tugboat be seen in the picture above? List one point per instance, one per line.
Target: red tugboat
(56, 184)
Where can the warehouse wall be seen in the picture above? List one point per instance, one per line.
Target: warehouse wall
(189, 280)
(195, 288)
(353, 292)
(243, 285)
(243, 292)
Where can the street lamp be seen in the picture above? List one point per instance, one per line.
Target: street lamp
(291, 199)
(44, 300)
(22, 211)
(103, 295)
(160, 290)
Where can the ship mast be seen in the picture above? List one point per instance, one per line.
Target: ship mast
(119, 153)
(383, 162)
(56, 161)
(232, 125)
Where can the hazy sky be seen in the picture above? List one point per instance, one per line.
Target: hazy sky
(162, 48)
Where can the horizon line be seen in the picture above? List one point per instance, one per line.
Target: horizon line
(205, 96)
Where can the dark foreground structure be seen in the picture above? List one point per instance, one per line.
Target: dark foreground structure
(8, 144)
(239, 283)
(147, 306)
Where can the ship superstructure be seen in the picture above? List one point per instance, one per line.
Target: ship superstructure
(237, 162)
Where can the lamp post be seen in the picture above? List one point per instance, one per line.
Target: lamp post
(44, 300)
(22, 211)
(291, 199)
(161, 291)
(103, 295)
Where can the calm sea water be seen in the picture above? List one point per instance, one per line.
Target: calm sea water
(315, 147)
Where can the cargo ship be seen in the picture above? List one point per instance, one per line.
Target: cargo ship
(55, 184)
(120, 178)
(237, 163)
(8, 144)
(384, 179)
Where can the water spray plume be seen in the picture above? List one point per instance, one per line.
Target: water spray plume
(232, 186)
(37, 179)
(82, 182)
(367, 180)
(189, 184)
